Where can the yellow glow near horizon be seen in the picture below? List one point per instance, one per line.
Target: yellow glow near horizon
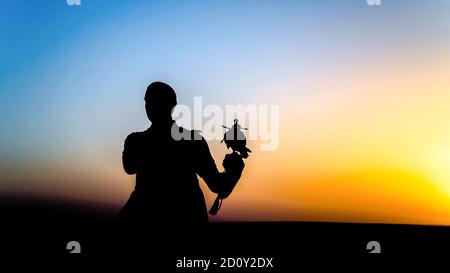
(381, 155)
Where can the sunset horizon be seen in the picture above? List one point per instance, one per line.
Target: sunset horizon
(363, 97)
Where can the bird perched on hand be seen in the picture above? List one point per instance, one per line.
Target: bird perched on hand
(235, 139)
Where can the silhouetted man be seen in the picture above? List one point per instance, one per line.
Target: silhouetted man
(167, 189)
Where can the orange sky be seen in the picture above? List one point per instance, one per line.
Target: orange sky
(377, 150)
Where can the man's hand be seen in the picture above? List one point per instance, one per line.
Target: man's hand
(233, 163)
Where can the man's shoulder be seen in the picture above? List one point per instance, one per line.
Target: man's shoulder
(135, 136)
(189, 134)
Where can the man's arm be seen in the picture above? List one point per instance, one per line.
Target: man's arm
(131, 159)
(220, 183)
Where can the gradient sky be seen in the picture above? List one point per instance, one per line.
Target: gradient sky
(364, 95)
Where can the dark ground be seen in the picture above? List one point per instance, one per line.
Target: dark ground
(39, 229)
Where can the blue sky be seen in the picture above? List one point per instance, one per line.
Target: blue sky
(72, 78)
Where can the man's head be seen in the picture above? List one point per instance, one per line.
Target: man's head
(160, 99)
